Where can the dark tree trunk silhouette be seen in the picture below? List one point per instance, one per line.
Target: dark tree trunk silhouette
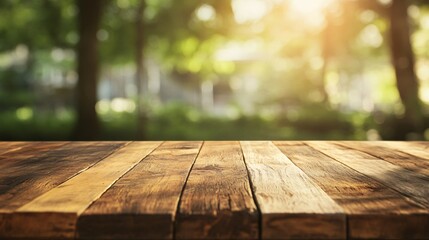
(87, 124)
(141, 112)
(403, 61)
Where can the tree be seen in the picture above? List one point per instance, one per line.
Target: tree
(87, 124)
(403, 62)
(141, 116)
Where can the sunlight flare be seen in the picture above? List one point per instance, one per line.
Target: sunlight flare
(309, 7)
(310, 12)
(249, 10)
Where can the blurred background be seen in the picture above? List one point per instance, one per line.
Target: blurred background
(214, 69)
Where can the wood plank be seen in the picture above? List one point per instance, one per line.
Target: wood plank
(28, 151)
(54, 213)
(291, 204)
(408, 183)
(374, 211)
(143, 203)
(11, 146)
(415, 149)
(402, 159)
(217, 202)
(26, 178)
(425, 144)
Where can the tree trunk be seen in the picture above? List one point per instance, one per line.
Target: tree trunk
(141, 112)
(403, 61)
(87, 124)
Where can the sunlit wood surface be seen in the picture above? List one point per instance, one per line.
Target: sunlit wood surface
(214, 190)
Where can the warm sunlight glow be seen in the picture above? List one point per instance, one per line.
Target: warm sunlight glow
(309, 7)
(248, 10)
(311, 12)
(206, 13)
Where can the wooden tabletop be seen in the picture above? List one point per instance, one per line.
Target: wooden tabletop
(214, 190)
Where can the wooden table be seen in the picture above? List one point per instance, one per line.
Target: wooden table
(214, 190)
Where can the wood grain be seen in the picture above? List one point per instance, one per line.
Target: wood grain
(27, 152)
(143, 203)
(54, 213)
(6, 147)
(217, 202)
(408, 183)
(292, 205)
(374, 211)
(26, 178)
(402, 159)
(191, 190)
(415, 150)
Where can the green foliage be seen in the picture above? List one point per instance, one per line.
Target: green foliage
(15, 100)
(37, 24)
(180, 122)
(284, 57)
(33, 126)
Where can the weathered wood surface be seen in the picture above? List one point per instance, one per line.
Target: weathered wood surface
(291, 204)
(413, 150)
(53, 214)
(392, 155)
(35, 171)
(214, 190)
(217, 202)
(6, 147)
(143, 203)
(411, 184)
(374, 210)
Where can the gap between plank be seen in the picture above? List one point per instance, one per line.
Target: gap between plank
(315, 183)
(253, 195)
(424, 176)
(183, 190)
(77, 219)
(406, 196)
(122, 174)
(370, 153)
(92, 165)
